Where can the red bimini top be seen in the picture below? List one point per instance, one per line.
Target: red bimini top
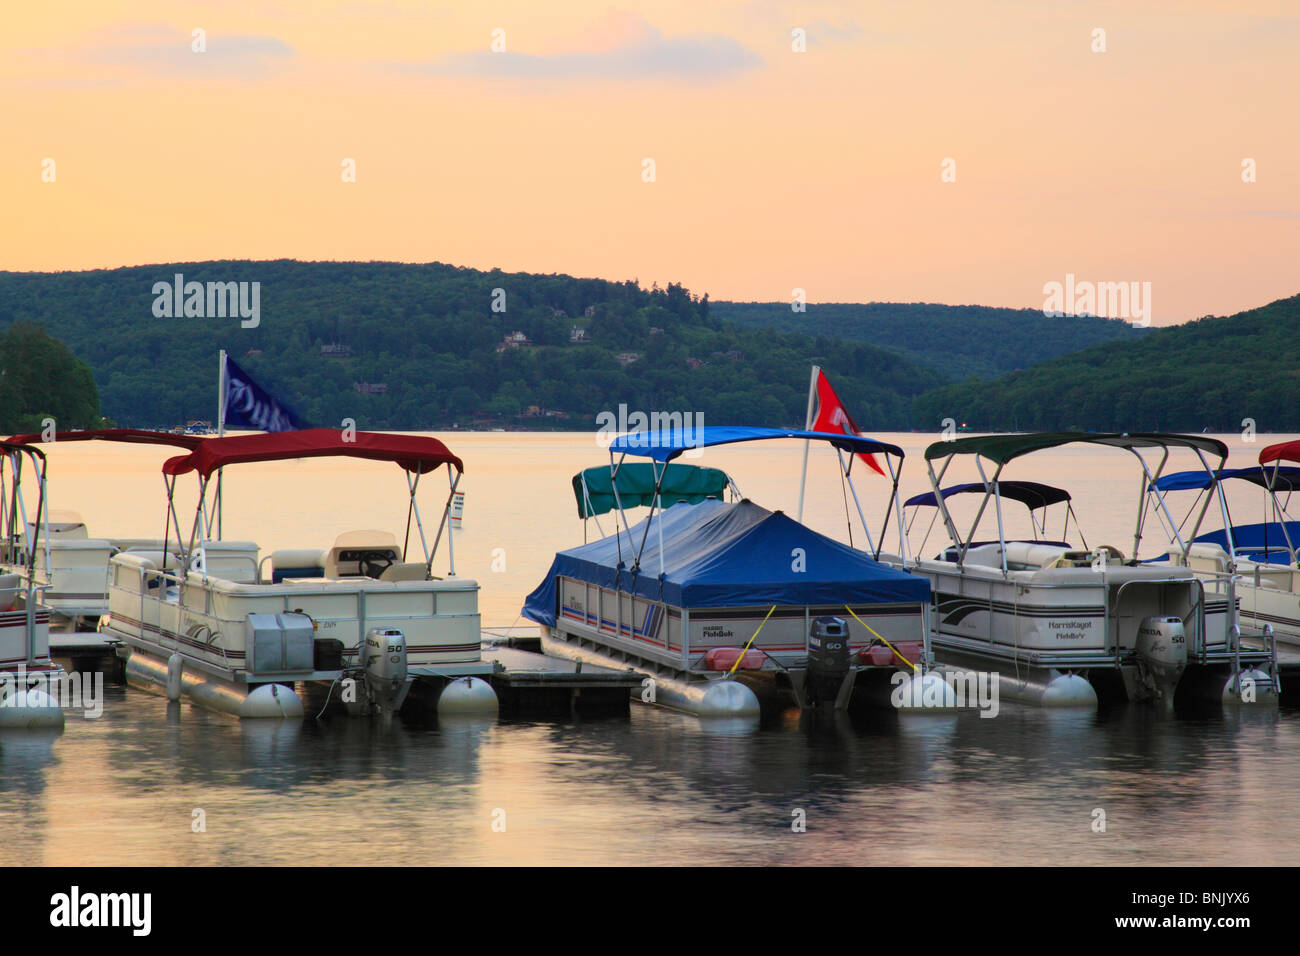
(134, 436)
(415, 453)
(1283, 451)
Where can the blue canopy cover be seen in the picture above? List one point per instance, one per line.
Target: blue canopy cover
(729, 554)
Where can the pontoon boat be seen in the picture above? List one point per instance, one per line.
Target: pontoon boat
(726, 606)
(234, 630)
(30, 682)
(1064, 625)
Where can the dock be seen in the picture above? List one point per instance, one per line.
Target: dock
(527, 682)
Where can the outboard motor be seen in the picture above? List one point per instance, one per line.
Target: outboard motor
(828, 658)
(383, 660)
(1161, 654)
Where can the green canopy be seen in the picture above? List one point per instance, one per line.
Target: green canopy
(1003, 448)
(636, 486)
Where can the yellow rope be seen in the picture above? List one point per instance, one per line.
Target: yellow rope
(879, 638)
(751, 641)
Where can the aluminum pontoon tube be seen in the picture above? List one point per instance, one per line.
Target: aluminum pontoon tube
(147, 672)
(26, 708)
(704, 698)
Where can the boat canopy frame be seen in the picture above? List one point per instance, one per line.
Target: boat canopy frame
(693, 483)
(12, 507)
(1034, 495)
(416, 455)
(1274, 480)
(665, 446)
(130, 436)
(1000, 450)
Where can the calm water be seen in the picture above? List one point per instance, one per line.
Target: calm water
(656, 787)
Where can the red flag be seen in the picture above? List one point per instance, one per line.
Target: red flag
(830, 415)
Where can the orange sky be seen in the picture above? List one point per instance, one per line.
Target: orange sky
(774, 169)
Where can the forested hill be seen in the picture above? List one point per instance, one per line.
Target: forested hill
(1212, 374)
(958, 341)
(428, 346)
(41, 379)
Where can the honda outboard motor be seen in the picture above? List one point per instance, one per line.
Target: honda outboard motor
(383, 660)
(828, 659)
(1161, 654)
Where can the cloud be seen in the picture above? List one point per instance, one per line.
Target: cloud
(164, 51)
(621, 46)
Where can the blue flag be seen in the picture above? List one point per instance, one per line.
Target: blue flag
(248, 405)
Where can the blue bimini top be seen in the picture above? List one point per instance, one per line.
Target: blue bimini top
(728, 554)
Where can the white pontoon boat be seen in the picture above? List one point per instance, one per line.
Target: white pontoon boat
(30, 682)
(1063, 625)
(234, 630)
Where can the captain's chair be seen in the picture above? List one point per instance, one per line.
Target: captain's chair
(362, 554)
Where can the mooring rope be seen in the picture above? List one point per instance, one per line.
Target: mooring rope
(751, 641)
(881, 639)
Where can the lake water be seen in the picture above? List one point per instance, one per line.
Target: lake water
(656, 787)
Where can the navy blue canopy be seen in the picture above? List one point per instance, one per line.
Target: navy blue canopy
(729, 554)
(1266, 536)
(667, 445)
(1030, 493)
(1288, 478)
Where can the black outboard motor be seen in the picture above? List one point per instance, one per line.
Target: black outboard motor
(828, 659)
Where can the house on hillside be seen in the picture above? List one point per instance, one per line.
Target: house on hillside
(513, 340)
(627, 358)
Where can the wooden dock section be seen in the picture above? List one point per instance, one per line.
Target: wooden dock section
(529, 682)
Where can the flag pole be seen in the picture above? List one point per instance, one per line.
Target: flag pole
(221, 424)
(807, 425)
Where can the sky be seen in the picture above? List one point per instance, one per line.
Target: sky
(957, 152)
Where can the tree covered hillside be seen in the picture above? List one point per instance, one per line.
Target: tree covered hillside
(428, 346)
(957, 341)
(1209, 374)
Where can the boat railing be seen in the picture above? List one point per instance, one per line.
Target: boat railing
(33, 597)
(1196, 613)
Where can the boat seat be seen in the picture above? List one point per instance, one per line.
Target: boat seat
(228, 560)
(362, 554)
(154, 561)
(297, 563)
(11, 586)
(56, 530)
(1202, 557)
(406, 571)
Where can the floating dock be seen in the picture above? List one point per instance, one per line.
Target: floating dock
(526, 681)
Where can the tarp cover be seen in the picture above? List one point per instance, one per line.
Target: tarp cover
(636, 486)
(737, 554)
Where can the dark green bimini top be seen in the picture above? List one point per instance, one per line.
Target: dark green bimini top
(636, 486)
(1003, 448)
